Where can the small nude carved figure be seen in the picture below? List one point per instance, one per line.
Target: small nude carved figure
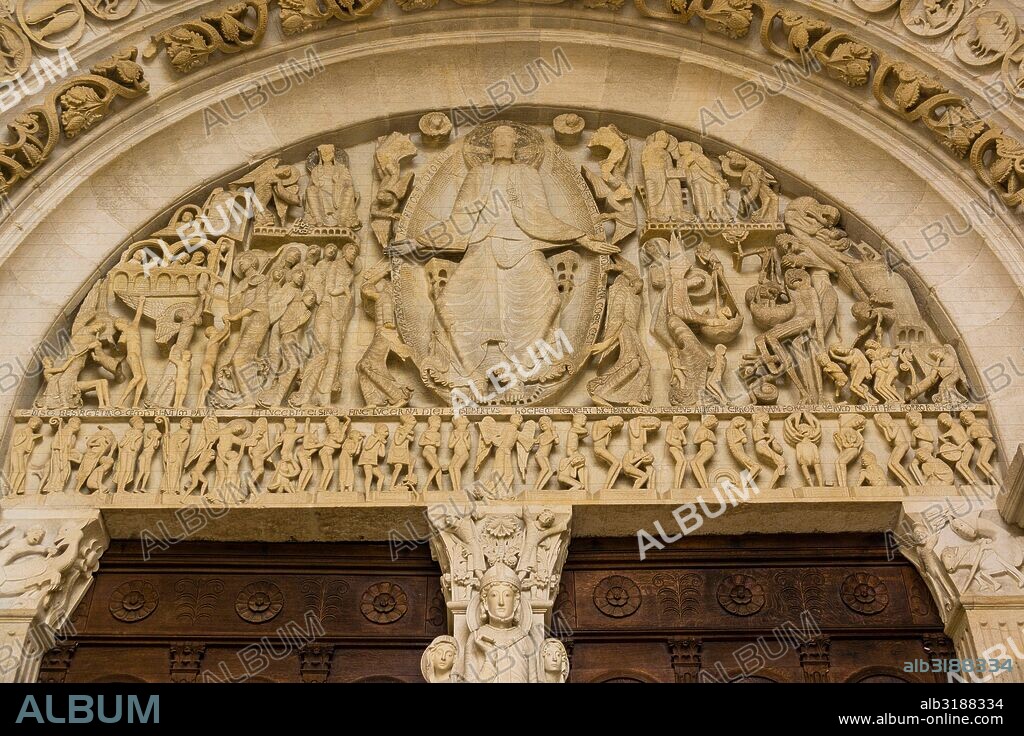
(803, 431)
(602, 436)
(429, 442)
(705, 438)
(675, 440)
(736, 441)
(768, 448)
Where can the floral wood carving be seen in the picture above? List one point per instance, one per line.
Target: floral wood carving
(617, 596)
(259, 602)
(741, 595)
(865, 593)
(196, 597)
(323, 597)
(384, 603)
(679, 595)
(133, 601)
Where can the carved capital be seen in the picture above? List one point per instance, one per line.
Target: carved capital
(186, 660)
(686, 658)
(814, 658)
(55, 664)
(315, 662)
(532, 540)
(47, 560)
(972, 562)
(501, 567)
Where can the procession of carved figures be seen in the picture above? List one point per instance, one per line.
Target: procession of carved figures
(497, 457)
(504, 266)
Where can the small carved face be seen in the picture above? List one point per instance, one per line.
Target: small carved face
(35, 535)
(553, 657)
(331, 252)
(443, 658)
(504, 142)
(501, 601)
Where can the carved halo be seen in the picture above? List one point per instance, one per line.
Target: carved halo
(431, 199)
(479, 145)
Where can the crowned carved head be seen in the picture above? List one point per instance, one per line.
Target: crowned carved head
(500, 589)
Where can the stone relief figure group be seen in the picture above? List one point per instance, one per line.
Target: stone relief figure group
(256, 300)
(504, 564)
(499, 456)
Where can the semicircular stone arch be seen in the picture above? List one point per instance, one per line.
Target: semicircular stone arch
(364, 305)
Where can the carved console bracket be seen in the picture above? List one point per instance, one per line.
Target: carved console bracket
(501, 567)
(47, 560)
(972, 560)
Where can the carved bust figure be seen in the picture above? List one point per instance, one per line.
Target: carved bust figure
(554, 661)
(501, 647)
(438, 660)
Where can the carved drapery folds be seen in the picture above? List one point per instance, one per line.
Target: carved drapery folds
(501, 567)
(47, 561)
